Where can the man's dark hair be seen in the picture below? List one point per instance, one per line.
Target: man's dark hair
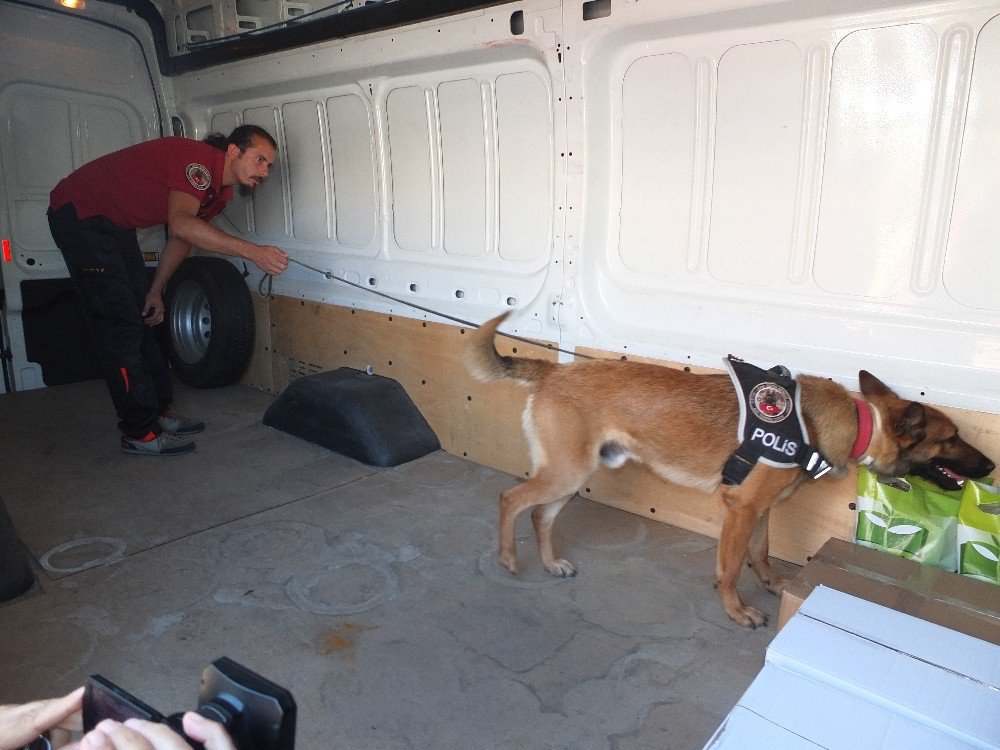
(241, 137)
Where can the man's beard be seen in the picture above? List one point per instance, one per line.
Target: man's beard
(246, 191)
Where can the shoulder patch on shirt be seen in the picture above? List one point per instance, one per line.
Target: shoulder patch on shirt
(199, 176)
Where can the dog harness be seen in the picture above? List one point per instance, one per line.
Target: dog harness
(771, 428)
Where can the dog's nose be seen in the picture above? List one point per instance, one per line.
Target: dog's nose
(988, 467)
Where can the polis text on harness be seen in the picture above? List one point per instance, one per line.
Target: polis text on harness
(771, 428)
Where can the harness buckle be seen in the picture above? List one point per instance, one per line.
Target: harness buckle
(815, 465)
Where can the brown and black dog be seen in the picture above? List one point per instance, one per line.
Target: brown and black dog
(683, 426)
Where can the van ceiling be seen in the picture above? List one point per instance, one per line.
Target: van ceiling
(192, 39)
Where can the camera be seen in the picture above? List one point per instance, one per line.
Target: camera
(258, 714)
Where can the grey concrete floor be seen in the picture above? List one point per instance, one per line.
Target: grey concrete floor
(373, 595)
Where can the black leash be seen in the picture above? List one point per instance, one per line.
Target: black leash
(269, 281)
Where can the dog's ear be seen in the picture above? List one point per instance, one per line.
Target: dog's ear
(872, 387)
(912, 423)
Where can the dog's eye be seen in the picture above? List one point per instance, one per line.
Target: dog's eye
(952, 441)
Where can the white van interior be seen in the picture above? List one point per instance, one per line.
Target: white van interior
(804, 183)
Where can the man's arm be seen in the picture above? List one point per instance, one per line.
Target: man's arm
(183, 224)
(174, 252)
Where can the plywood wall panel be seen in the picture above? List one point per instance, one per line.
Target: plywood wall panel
(259, 373)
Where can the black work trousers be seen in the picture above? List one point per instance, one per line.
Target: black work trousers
(111, 281)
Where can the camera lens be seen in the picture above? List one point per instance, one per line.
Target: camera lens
(41, 743)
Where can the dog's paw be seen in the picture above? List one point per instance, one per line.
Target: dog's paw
(776, 585)
(509, 563)
(748, 617)
(561, 568)
(767, 576)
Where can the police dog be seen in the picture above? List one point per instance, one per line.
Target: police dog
(683, 426)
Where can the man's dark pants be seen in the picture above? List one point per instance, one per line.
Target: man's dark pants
(111, 282)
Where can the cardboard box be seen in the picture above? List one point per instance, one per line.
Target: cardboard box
(941, 680)
(782, 710)
(847, 674)
(745, 730)
(957, 602)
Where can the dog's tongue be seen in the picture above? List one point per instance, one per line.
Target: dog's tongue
(956, 478)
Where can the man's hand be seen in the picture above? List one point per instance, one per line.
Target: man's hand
(152, 309)
(269, 259)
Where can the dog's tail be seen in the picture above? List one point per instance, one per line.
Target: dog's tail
(486, 363)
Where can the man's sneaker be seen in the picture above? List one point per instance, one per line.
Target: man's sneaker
(175, 424)
(163, 444)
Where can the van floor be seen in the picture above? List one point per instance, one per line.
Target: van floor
(373, 595)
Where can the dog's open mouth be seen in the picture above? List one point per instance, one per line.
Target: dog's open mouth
(939, 475)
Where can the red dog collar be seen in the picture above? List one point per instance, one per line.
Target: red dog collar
(865, 423)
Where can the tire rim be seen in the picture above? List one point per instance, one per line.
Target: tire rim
(190, 322)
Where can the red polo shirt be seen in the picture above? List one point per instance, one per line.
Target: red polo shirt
(130, 187)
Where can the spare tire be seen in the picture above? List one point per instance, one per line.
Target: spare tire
(210, 322)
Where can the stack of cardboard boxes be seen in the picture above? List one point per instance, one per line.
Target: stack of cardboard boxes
(875, 652)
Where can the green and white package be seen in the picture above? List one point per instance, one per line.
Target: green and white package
(979, 532)
(914, 519)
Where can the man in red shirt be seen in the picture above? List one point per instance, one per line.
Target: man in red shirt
(93, 216)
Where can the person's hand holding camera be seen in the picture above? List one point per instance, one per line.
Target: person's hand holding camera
(136, 734)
